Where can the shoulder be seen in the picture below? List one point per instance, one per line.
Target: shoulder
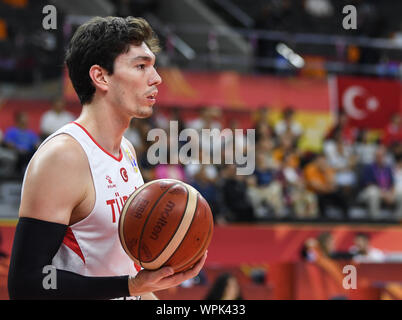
(47, 113)
(11, 130)
(32, 133)
(60, 150)
(56, 180)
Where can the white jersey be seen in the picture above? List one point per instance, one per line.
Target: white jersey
(92, 246)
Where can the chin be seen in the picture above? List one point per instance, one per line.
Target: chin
(145, 112)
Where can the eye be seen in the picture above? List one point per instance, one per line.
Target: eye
(141, 66)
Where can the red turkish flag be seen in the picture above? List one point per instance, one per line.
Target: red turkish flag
(369, 103)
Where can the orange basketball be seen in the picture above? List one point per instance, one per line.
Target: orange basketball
(166, 222)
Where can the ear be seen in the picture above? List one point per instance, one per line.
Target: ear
(99, 77)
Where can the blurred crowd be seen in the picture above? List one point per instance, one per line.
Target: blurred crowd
(360, 251)
(357, 174)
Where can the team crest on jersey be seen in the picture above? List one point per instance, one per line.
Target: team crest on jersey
(124, 175)
(132, 160)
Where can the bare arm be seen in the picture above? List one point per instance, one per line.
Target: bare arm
(56, 182)
(56, 192)
(55, 188)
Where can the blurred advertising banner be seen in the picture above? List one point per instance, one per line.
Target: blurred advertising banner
(234, 91)
(369, 103)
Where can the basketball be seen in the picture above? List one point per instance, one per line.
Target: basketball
(166, 223)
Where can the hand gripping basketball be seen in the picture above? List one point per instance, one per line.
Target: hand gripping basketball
(166, 223)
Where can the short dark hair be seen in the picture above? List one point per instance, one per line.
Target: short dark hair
(362, 235)
(100, 41)
(288, 112)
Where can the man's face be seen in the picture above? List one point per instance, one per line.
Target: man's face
(361, 243)
(22, 120)
(58, 106)
(134, 80)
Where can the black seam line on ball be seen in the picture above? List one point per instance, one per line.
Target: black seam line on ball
(182, 217)
(146, 221)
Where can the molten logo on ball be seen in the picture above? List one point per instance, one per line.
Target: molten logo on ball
(162, 220)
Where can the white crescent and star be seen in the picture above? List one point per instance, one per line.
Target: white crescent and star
(348, 100)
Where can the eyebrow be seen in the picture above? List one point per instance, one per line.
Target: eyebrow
(141, 58)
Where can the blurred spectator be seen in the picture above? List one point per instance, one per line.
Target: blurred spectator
(398, 174)
(225, 287)
(323, 245)
(264, 191)
(393, 132)
(235, 141)
(54, 119)
(204, 178)
(302, 202)
(162, 121)
(263, 131)
(265, 143)
(362, 251)
(234, 192)
(288, 125)
(320, 178)
(365, 148)
(7, 158)
(170, 170)
(342, 126)
(341, 158)
(378, 184)
(142, 128)
(3, 254)
(23, 141)
(210, 118)
(285, 148)
(262, 115)
(147, 169)
(4, 258)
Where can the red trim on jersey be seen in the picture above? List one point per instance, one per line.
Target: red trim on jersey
(137, 267)
(99, 146)
(71, 242)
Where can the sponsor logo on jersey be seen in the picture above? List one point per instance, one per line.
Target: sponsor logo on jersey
(110, 183)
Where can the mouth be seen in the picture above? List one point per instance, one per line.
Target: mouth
(152, 96)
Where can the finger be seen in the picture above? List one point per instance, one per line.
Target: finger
(164, 272)
(177, 278)
(190, 273)
(195, 270)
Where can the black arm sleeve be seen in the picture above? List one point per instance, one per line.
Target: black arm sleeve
(36, 242)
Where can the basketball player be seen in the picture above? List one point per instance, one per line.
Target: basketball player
(76, 183)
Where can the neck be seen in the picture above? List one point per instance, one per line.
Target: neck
(104, 124)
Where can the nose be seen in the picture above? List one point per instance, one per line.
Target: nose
(155, 79)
